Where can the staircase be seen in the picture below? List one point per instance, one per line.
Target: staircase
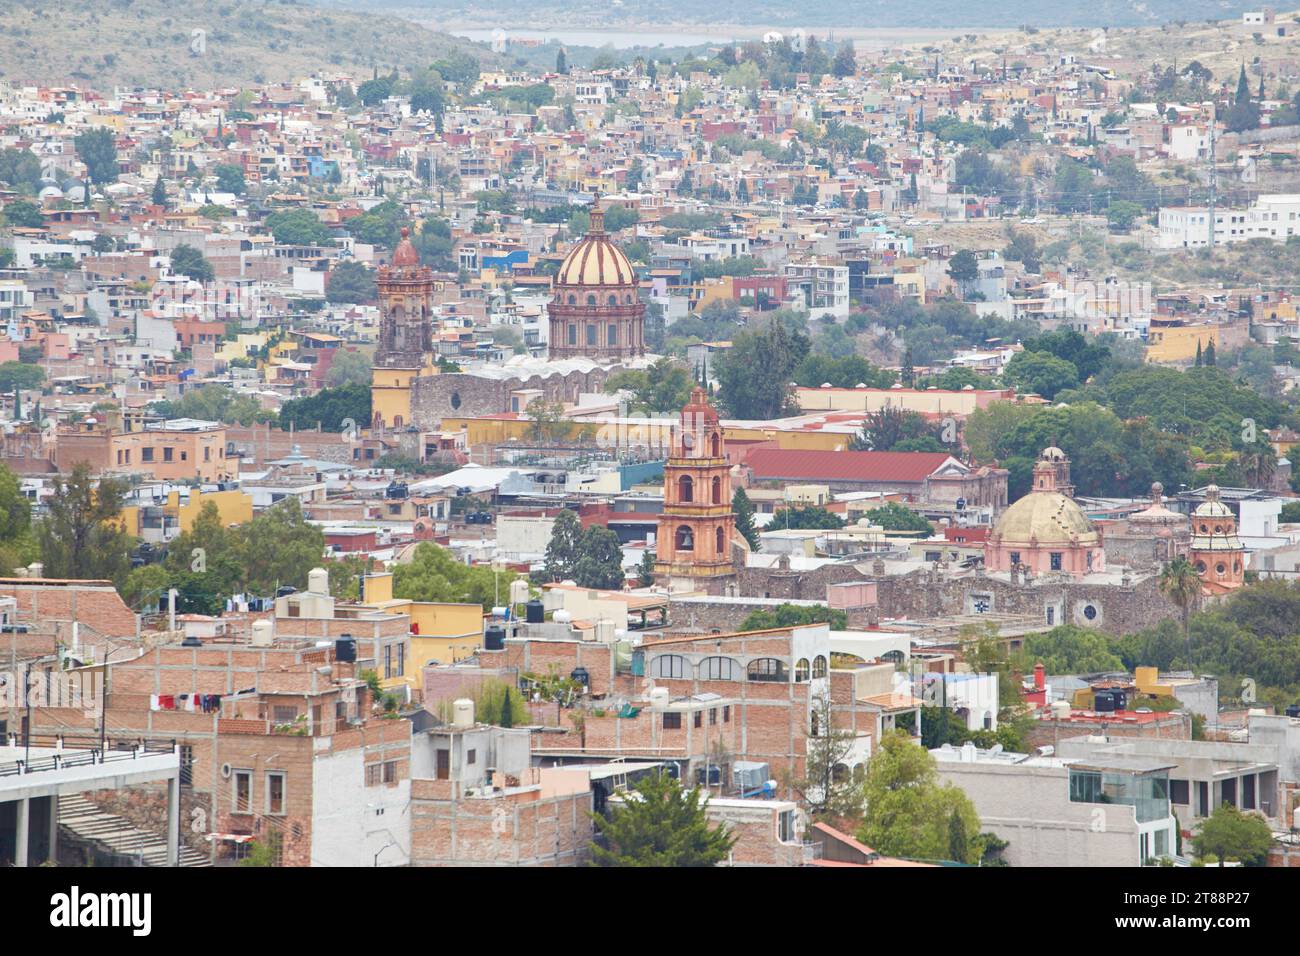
(88, 822)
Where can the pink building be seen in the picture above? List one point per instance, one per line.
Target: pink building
(1045, 531)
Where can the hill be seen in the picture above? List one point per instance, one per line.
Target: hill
(204, 44)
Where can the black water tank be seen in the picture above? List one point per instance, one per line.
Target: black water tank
(191, 642)
(1293, 710)
(345, 650)
(494, 638)
(285, 590)
(1103, 702)
(580, 674)
(534, 612)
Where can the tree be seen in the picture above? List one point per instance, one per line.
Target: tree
(743, 509)
(1182, 585)
(600, 560)
(20, 169)
(298, 227)
(81, 535)
(351, 282)
(893, 429)
(794, 615)
(159, 196)
(827, 788)
(908, 811)
(188, 261)
(18, 375)
(1040, 373)
(330, 408)
(546, 420)
(1230, 834)
(348, 368)
(434, 574)
(563, 550)
(95, 148)
(664, 386)
(1068, 649)
(895, 517)
(661, 825)
(1121, 214)
(278, 547)
(646, 569)
(754, 375)
(561, 62)
(24, 214)
(811, 517)
(963, 267)
(230, 178)
(845, 63)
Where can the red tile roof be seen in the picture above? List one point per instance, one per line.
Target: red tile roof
(780, 463)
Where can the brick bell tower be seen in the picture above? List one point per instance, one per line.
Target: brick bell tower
(406, 309)
(697, 524)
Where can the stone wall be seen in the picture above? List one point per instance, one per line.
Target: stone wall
(464, 394)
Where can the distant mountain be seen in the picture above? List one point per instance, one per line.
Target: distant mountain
(613, 14)
(204, 44)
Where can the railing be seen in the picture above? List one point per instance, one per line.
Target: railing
(118, 750)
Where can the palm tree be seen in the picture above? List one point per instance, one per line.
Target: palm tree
(1182, 585)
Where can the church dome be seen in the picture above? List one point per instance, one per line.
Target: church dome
(1212, 507)
(1046, 518)
(405, 255)
(596, 261)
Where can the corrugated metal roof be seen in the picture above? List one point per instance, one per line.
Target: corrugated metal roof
(914, 466)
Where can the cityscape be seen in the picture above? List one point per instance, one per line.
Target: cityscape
(438, 442)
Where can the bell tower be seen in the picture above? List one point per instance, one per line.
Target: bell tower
(697, 524)
(406, 309)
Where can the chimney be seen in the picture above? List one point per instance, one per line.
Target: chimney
(1039, 680)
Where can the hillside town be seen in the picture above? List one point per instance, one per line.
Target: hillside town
(460, 467)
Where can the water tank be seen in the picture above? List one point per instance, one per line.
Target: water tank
(580, 675)
(1103, 702)
(263, 633)
(191, 642)
(1061, 709)
(318, 581)
(494, 638)
(659, 698)
(1293, 710)
(534, 612)
(462, 713)
(518, 591)
(605, 631)
(345, 650)
(561, 616)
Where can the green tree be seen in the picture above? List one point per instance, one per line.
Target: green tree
(1121, 214)
(1182, 585)
(159, 196)
(661, 825)
(188, 261)
(894, 429)
(298, 227)
(1230, 834)
(230, 178)
(794, 615)
(95, 148)
(18, 375)
(664, 386)
(600, 560)
(81, 536)
(754, 375)
(278, 547)
(1068, 649)
(564, 548)
(845, 63)
(963, 267)
(1040, 373)
(349, 367)
(351, 282)
(825, 788)
(908, 811)
(331, 408)
(434, 574)
(24, 214)
(646, 569)
(20, 169)
(743, 509)
(895, 517)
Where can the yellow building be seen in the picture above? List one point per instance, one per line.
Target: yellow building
(441, 632)
(390, 393)
(1173, 344)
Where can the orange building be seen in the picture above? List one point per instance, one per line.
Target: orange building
(697, 527)
(173, 450)
(1217, 552)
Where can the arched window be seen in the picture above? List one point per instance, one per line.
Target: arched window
(819, 667)
(591, 300)
(715, 445)
(685, 488)
(685, 540)
(397, 421)
(719, 542)
(767, 669)
(573, 299)
(801, 670)
(613, 335)
(719, 668)
(671, 666)
(613, 300)
(717, 490)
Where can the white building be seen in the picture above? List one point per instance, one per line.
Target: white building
(1275, 217)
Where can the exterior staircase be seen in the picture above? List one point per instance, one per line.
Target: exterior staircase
(88, 822)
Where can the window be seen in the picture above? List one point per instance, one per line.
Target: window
(573, 332)
(591, 333)
(168, 453)
(243, 791)
(819, 666)
(613, 335)
(1015, 558)
(685, 488)
(801, 670)
(717, 491)
(718, 668)
(713, 716)
(726, 714)
(146, 454)
(282, 714)
(187, 761)
(672, 721)
(767, 669)
(388, 661)
(685, 541)
(1055, 560)
(719, 542)
(699, 719)
(471, 756)
(207, 453)
(275, 794)
(1180, 792)
(671, 666)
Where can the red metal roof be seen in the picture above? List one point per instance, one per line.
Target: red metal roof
(780, 463)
